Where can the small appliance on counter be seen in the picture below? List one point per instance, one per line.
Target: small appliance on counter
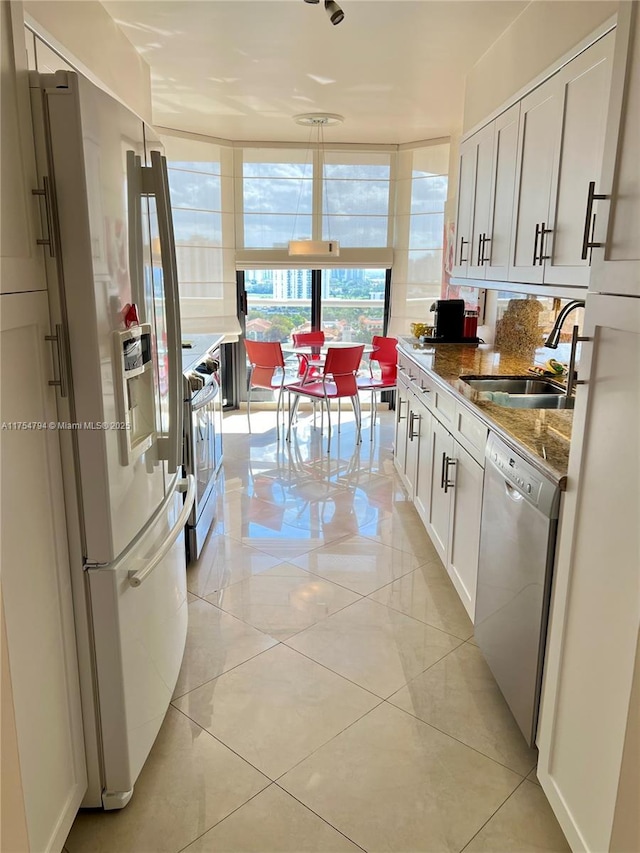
(452, 324)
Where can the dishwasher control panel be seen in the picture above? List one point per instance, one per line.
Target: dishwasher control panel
(532, 485)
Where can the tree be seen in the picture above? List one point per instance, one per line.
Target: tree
(280, 328)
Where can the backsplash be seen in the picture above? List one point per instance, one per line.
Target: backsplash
(522, 322)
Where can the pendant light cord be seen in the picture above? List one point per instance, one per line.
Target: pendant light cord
(304, 174)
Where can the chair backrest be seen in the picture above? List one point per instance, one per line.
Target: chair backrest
(265, 358)
(308, 339)
(342, 364)
(386, 354)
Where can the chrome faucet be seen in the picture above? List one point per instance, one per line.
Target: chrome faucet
(554, 338)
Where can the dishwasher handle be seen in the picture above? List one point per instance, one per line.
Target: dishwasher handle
(512, 493)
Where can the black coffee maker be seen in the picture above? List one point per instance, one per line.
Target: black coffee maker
(449, 319)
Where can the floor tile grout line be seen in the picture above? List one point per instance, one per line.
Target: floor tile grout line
(326, 743)
(226, 746)
(231, 668)
(288, 562)
(222, 820)
(332, 671)
(323, 819)
(266, 633)
(490, 818)
(461, 742)
(398, 610)
(280, 776)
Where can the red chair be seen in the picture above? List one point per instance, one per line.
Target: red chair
(337, 381)
(266, 371)
(307, 370)
(385, 353)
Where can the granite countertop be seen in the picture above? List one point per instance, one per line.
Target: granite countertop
(542, 435)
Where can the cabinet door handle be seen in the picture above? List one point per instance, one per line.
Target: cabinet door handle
(59, 340)
(480, 249)
(589, 217)
(444, 466)
(414, 418)
(447, 484)
(543, 231)
(462, 242)
(49, 214)
(484, 260)
(400, 415)
(535, 244)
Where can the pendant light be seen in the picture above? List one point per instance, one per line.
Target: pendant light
(329, 247)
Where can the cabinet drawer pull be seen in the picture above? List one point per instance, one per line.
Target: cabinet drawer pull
(590, 221)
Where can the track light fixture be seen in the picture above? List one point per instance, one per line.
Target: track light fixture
(334, 11)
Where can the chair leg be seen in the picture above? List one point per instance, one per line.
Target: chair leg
(374, 413)
(328, 403)
(249, 407)
(278, 402)
(292, 412)
(355, 402)
(338, 414)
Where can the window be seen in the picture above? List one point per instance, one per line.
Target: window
(277, 197)
(355, 200)
(285, 197)
(202, 209)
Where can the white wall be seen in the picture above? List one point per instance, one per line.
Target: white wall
(544, 31)
(93, 44)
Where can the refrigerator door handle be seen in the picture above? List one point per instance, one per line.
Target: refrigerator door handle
(169, 448)
(136, 577)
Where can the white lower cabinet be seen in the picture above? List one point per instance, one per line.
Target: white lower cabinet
(422, 491)
(442, 477)
(400, 446)
(464, 525)
(438, 510)
(47, 777)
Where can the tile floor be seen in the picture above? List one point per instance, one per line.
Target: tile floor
(331, 697)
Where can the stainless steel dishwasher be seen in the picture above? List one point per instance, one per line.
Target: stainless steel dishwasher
(517, 546)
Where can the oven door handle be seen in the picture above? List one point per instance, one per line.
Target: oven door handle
(202, 399)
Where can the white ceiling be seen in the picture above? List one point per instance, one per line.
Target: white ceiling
(240, 69)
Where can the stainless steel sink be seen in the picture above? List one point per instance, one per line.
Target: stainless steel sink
(520, 392)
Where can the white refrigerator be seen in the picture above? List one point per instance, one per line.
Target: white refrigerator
(109, 244)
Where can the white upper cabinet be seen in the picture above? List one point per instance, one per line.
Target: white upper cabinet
(616, 262)
(540, 125)
(503, 181)
(467, 172)
(474, 203)
(481, 209)
(585, 93)
(525, 178)
(22, 260)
